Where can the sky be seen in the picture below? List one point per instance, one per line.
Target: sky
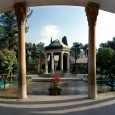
(69, 21)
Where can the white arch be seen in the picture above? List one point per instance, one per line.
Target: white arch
(107, 5)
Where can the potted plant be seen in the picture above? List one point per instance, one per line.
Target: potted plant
(56, 88)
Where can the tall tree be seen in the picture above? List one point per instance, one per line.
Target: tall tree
(106, 63)
(75, 51)
(40, 51)
(108, 44)
(85, 49)
(103, 59)
(36, 53)
(76, 48)
(7, 61)
(64, 40)
(9, 29)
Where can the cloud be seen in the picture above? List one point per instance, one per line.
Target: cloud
(105, 29)
(49, 31)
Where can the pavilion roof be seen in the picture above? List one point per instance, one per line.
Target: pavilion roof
(57, 45)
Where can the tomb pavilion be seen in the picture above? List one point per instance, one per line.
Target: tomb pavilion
(57, 48)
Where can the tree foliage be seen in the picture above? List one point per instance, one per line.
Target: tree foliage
(9, 29)
(106, 63)
(109, 44)
(7, 61)
(76, 49)
(37, 55)
(64, 40)
(40, 51)
(85, 49)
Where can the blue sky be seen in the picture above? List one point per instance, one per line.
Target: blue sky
(69, 21)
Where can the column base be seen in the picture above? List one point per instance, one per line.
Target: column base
(22, 92)
(92, 91)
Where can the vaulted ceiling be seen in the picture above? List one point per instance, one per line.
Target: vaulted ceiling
(106, 5)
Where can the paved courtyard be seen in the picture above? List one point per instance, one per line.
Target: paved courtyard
(59, 105)
(73, 101)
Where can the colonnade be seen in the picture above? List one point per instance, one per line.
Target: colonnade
(91, 12)
(52, 61)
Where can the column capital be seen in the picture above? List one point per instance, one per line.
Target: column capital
(52, 53)
(20, 11)
(92, 12)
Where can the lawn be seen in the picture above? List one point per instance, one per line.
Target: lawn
(11, 89)
(103, 80)
(9, 92)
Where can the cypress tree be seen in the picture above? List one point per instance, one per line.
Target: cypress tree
(64, 40)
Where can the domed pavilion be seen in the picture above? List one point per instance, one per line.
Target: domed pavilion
(60, 50)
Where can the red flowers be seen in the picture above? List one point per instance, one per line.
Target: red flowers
(56, 77)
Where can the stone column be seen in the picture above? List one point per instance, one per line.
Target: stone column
(20, 11)
(46, 63)
(61, 61)
(52, 66)
(92, 12)
(68, 67)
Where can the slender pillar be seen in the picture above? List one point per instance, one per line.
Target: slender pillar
(68, 68)
(46, 63)
(52, 66)
(61, 61)
(92, 12)
(20, 11)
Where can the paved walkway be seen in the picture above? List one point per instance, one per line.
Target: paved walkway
(59, 105)
(73, 101)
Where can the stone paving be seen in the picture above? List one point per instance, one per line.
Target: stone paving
(71, 102)
(59, 105)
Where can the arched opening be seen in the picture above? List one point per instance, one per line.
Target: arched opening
(91, 11)
(69, 88)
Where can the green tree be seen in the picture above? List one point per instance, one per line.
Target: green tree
(85, 49)
(77, 46)
(75, 51)
(40, 51)
(108, 44)
(7, 60)
(64, 40)
(40, 55)
(106, 63)
(104, 59)
(9, 29)
(37, 55)
(34, 51)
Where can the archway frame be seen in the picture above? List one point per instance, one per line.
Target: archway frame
(91, 12)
